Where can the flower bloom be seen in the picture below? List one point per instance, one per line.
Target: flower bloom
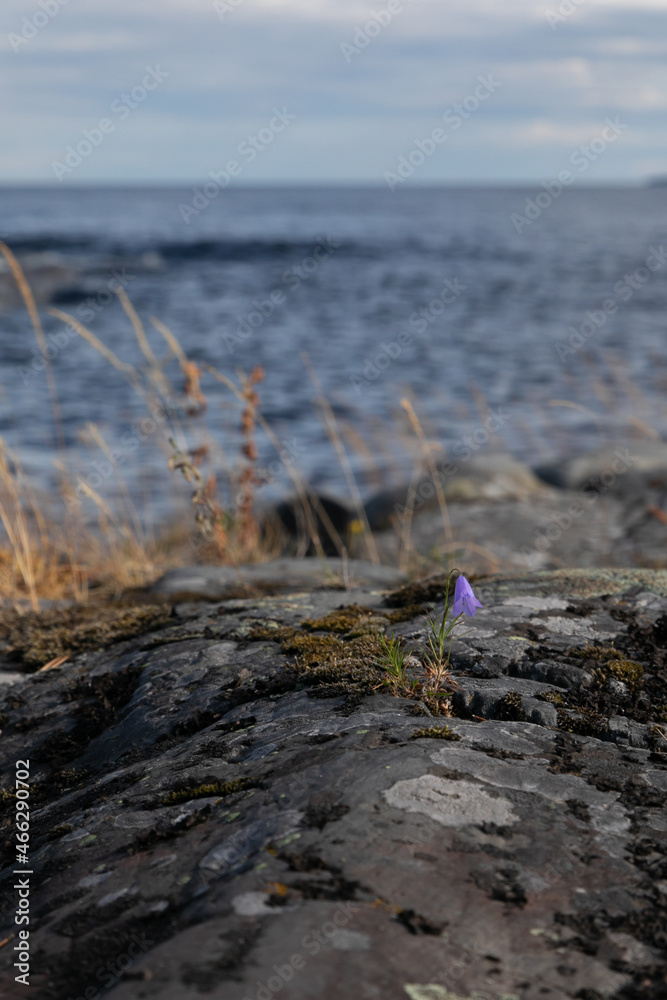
(465, 602)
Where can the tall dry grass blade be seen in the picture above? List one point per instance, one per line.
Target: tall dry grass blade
(428, 455)
(249, 529)
(95, 434)
(327, 523)
(14, 521)
(138, 327)
(121, 366)
(406, 527)
(646, 429)
(481, 402)
(35, 319)
(156, 374)
(93, 495)
(356, 441)
(171, 341)
(129, 559)
(618, 365)
(496, 563)
(331, 427)
(568, 404)
(292, 471)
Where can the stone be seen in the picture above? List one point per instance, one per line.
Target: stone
(193, 785)
(451, 803)
(646, 459)
(216, 582)
(496, 476)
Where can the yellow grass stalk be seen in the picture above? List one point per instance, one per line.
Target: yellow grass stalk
(157, 376)
(428, 455)
(292, 471)
(138, 328)
(128, 370)
(568, 404)
(15, 523)
(406, 526)
(35, 319)
(331, 427)
(96, 436)
(172, 342)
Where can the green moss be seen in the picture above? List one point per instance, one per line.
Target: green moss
(417, 710)
(422, 592)
(60, 831)
(585, 723)
(217, 788)
(657, 739)
(343, 620)
(628, 671)
(37, 637)
(312, 649)
(338, 668)
(510, 708)
(332, 666)
(553, 697)
(7, 795)
(66, 778)
(407, 613)
(436, 733)
(439, 703)
(598, 653)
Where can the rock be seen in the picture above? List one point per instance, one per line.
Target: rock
(9, 677)
(217, 582)
(526, 535)
(556, 528)
(607, 469)
(333, 522)
(231, 805)
(493, 477)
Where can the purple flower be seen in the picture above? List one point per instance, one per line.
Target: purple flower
(465, 601)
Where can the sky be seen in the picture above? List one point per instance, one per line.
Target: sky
(332, 90)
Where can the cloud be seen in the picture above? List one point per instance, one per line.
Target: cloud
(354, 114)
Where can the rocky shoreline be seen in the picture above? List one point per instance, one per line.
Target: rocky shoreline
(225, 802)
(605, 508)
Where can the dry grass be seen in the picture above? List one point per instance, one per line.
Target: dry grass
(45, 558)
(82, 543)
(67, 556)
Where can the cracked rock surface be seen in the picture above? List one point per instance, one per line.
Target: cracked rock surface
(211, 818)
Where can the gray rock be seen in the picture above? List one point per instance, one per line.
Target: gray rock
(495, 476)
(526, 534)
(562, 675)
(608, 468)
(215, 582)
(207, 823)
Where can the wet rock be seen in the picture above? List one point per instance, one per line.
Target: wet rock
(208, 818)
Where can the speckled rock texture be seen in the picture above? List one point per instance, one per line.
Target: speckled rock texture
(210, 819)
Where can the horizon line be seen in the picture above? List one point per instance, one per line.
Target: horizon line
(648, 182)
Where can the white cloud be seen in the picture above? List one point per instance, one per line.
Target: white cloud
(556, 86)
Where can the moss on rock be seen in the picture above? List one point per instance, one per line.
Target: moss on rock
(37, 637)
(344, 619)
(585, 723)
(436, 733)
(216, 788)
